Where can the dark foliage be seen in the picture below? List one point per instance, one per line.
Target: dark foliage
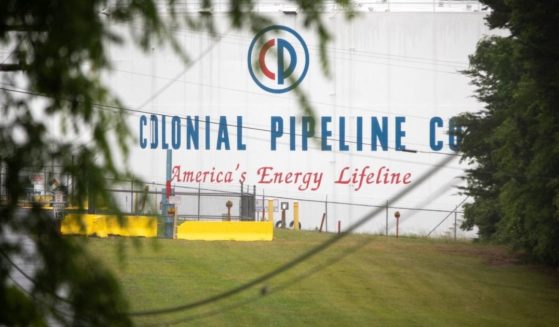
(513, 141)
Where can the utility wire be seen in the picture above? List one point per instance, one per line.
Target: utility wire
(388, 60)
(14, 50)
(229, 34)
(18, 268)
(432, 196)
(140, 111)
(52, 306)
(283, 197)
(31, 279)
(44, 291)
(236, 194)
(268, 290)
(445, 218)
(242, 39)
(180, 74)
(294, 262)
(262, 94)
(288, 265)
(31, 295)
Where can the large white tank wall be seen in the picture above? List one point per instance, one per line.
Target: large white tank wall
(382, 64)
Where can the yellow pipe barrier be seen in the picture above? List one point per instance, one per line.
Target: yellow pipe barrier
(296, 215)
(105, 225)
(146, 226)
(226, 231)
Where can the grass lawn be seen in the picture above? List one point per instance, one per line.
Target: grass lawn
(386, 282)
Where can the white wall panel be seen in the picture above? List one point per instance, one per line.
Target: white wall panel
(382, 64)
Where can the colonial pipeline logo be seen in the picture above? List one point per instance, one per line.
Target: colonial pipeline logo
(283, 59)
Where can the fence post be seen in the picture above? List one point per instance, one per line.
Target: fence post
(198, 201)
(325, 215)
(253, 208)
(386, 214)
(455, 221)
(322, 222)
(242, 202)
(155, 206)
(132, 197)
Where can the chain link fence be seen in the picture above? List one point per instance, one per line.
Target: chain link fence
(190, 203)
(199, 203)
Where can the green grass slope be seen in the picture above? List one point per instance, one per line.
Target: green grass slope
(386, 282)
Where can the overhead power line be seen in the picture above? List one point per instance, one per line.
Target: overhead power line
(146, 112)
(284, 197)
(446, 217)
(275, 97)
(294, 262)
(180, 74)
(268, 290)
(29, 278)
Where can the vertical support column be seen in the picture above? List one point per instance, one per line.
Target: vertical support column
(169, 165)
(168, 221)
(271, 211)
(296, 215)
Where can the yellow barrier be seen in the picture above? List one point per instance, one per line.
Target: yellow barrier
(226, 230)
(105, 225)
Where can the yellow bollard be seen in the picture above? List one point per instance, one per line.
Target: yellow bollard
(296, 216)
(271, 211)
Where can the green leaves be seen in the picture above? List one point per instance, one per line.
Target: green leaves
(59, 51)
(513, 140)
